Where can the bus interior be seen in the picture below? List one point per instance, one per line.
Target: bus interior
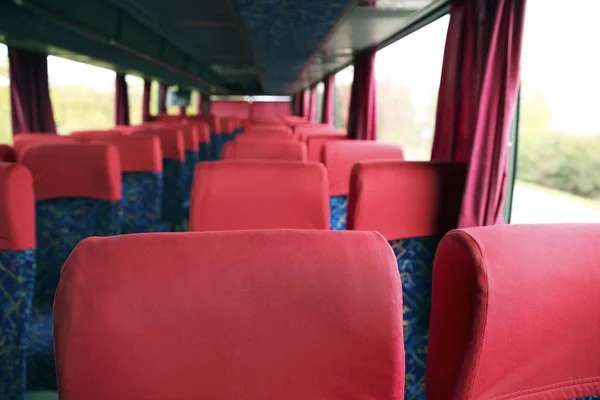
(299, 199)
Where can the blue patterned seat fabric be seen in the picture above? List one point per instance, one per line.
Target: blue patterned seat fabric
(173, 211)
(415, 265)
(191, 159)
(142, 202)
(60, 225)
(338, 206)
(215, 146)
(17, 274)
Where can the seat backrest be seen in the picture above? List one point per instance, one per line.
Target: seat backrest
(78, 195)
(22, 140)
(516, 313)
(340, 156)
(267, 130)
(259, 195)
(7, 153)
(203, 133)
(253, 136)
(17, 274)
(254, 315)
(413, 204)
(315, 144)
(142, 180)
(264, 150)
(173, 152)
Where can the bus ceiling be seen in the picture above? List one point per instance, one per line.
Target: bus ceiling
(221, 47)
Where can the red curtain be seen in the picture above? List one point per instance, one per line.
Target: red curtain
(31, 109)
(298, 104)
(362, 116)
(328, 100)
(312, 105)
(121, 101)
(146, 101)
(200, 99)
(478, 95)
(162, 99)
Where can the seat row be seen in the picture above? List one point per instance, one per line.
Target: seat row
(302, 314)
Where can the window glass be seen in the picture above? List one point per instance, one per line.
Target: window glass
(154, 94)
(82, 95)
(558, 153)
(408, 75)
(320, 90)
(5, 124)
(192, 109)
(135, 93)
(343, 88)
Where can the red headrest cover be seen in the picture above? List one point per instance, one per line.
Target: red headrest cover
(253, 315)
(264, 150)
(516, 314)
(315, 144)
(406, 199)
(23, 140)
(202, 131)
(271, 130)
(258, 136)
(259, 195)
(171, 142)
(17, 208)
(7, 153)
(89, 170)
(212, 120)
(138, 153)
(190, 137)
(340, 156)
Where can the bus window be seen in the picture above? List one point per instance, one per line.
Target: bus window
(135, 94)
(558, 148)
(320, 92)
(82, 95)
(408, 79)
(192, 109)
(343, 87)
(5, 124)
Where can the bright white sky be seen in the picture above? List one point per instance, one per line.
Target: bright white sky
(560, 57)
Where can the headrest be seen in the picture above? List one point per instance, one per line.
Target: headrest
(138, 153)
(271, 130)
(212, 120)
(93, 134)
(315, 143)
(259, 195)
(17, 208)
(340, 156)
(167, 118)
(229, 124)
(406, 199)
(7, 153)
(516, 313)
(303, 132)
(90, 170)
(254, 315)
(264, 150)
(202, 131)
(23, 140)
(190, 137)
(252, 136)
(171, 142)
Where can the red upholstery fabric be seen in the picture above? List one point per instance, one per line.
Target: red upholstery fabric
(25, 139)
(121, 101)
(88, 170)
(239, 109)
(168, 119)
(315, 144)
(138, 153)
(7, 153)
(171, 142)
(264, 150)
(405, 199)
(253, 315)
(17, 208)
(254, 136)
(340, 156)
(304, 131)
(212, 120)
(259, 195)
(264, 129)
(516, 314)
(271, 109)
(202, 131)
(190, 137)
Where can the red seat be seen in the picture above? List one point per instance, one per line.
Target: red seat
(259, 195)
(267, 130)
(341, 155)
(7, 153)
(253, 315)
(22, 140)
(516, 314)
(264, 150)
(316, 142)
